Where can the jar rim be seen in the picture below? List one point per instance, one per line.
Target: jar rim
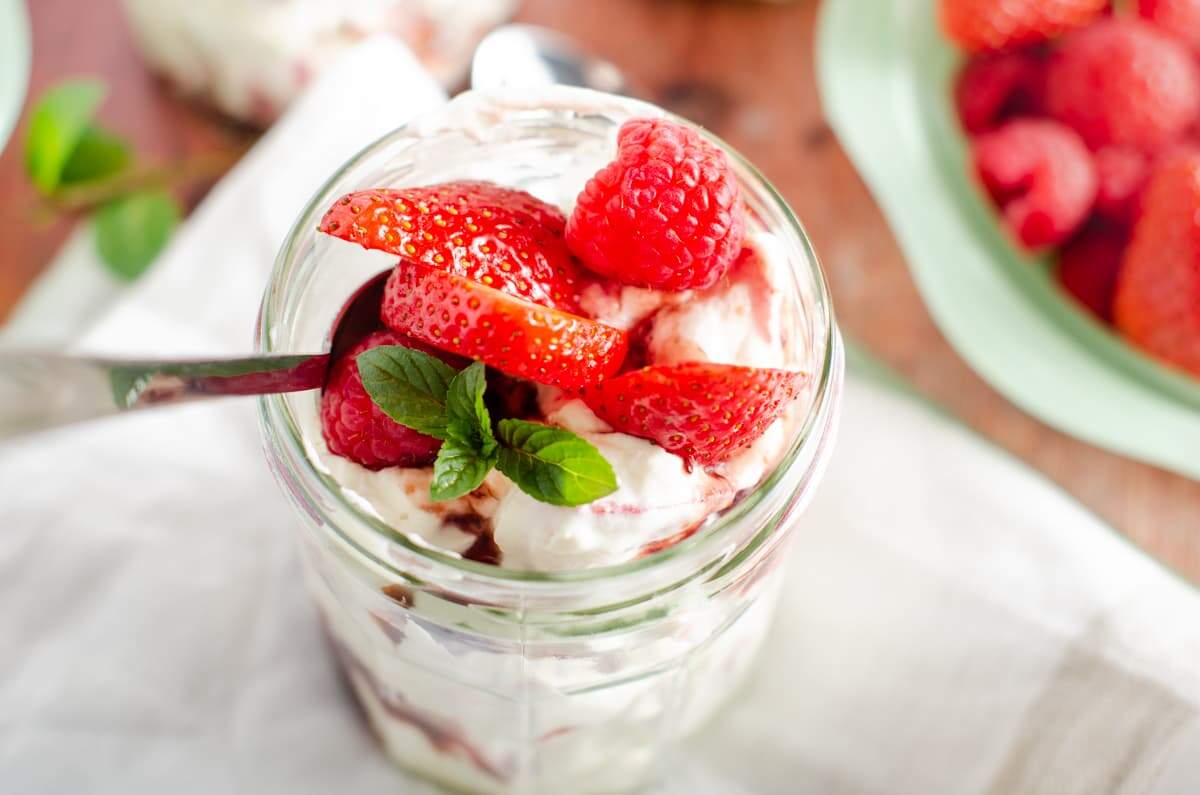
(283, 436)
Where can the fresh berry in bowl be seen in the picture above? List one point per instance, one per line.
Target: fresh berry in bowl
(1071, 114)
(1157, 304)
(979, 26)
(957, 114)
(1122, 82)
(1041, 175)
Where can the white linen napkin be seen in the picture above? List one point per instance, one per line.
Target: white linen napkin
(952, 622)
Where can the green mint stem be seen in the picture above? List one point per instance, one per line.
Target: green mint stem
(86, 196)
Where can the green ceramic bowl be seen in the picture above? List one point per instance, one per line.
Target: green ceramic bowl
(14, 64)
(886, 77)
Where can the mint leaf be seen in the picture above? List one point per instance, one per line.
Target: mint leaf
(409, 385)
(467, 419)
(553, 465)
(132, 230)
(469, 451)
(57, 125)
(458, 470)
(424, 393)
(97, 155)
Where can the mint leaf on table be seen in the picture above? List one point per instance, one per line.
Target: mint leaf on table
(132, 230)
(458, 470)
(553, 465)
(467, 419)
(98, 154)
(409, 385)
(56, 127)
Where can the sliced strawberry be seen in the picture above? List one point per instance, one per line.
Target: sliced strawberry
(702, 412)
(495, 236)
(1157, 304)
(514, 336)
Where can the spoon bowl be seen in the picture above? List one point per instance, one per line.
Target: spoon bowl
(528, 55)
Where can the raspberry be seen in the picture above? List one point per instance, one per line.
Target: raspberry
(702, 412)
(990, 25)
(1042, 176)
(1089, 264)
(1158, 291)
(496, 236)
(1121, 82)
(355, 428)
(992, 88)
(1122, 173)
(667, 213)
(1179, 18)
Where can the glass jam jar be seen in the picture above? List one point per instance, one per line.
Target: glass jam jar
(494, 680)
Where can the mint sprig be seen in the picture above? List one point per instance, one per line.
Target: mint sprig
(467, 419)
(458, 470)
(552, 465)
(469, 451)
(83, 169)
(422, 392)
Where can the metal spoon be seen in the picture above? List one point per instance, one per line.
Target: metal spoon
(45, 390)
(528, 55)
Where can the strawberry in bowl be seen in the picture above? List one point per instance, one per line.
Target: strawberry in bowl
(1072, 112)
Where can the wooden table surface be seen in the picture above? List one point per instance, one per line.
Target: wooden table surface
(745, 71)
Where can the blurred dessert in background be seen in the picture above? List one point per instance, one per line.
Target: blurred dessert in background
(1083, 124)
(250, 58)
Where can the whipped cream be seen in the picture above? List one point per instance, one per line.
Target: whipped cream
(741, 320)
(657, 498)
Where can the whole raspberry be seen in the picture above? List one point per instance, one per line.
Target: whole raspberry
(991, 88)
(1180, 18)
(667, 213)
(1121, 82)
(990, 25)
(1089, 264)
(355, 428)
(1158, 291)
(1042, 176)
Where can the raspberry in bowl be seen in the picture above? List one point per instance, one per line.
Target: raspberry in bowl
(546, 491)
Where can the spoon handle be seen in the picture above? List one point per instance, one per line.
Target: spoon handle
(39, 391)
